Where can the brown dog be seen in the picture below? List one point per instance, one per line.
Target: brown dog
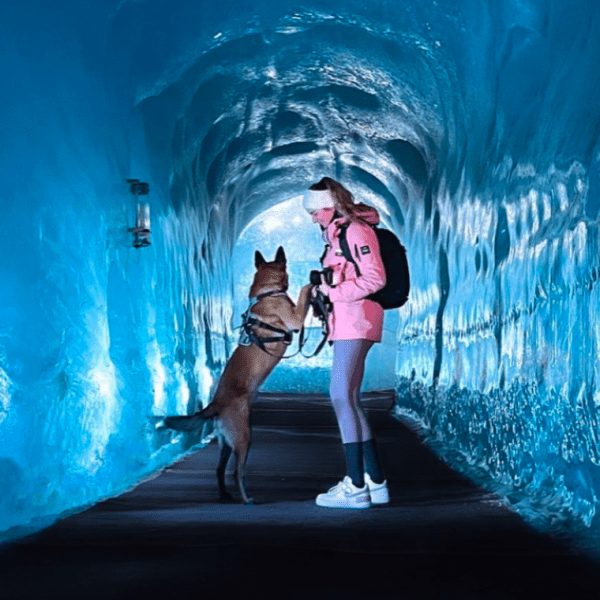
(248, 368)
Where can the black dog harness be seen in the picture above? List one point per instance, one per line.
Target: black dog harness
(248, 335)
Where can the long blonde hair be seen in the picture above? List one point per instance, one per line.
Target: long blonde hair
(343, 199)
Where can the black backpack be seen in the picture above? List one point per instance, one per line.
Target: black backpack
(393, 254)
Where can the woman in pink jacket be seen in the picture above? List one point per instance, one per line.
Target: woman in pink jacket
(355, 324)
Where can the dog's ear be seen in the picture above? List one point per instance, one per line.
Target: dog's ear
(258, 259)
(280, 256)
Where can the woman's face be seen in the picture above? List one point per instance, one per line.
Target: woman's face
(323, 216)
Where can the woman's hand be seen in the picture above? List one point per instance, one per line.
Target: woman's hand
(324, 289)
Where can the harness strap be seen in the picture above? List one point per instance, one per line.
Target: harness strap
(249, 337)
(258, 298)
(286, 336)
(247, 334)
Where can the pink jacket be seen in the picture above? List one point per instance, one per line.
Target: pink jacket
(353, 316)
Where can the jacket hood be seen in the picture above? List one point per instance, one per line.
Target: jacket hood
(364, 212)
(367, 213)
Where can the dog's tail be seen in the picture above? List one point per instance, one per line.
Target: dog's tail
(209, 412)
(193, 422)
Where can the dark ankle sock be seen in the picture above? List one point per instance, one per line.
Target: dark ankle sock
(371, 461)
(354, 461)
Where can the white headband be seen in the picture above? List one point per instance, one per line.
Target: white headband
(317, 199)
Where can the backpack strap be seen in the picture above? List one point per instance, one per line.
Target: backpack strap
(325, 250)
(345, 248)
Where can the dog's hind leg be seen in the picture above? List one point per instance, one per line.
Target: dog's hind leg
(241, 449)
(224, 495)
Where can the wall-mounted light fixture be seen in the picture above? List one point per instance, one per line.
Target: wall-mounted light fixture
(141, 230)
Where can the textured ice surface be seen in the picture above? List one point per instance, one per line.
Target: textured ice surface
(471, 126)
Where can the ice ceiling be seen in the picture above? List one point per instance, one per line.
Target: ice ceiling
(471, 125)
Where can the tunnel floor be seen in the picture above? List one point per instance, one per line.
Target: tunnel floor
(440, 537)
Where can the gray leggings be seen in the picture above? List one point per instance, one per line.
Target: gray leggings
(346, 378)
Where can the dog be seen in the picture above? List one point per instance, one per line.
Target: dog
(249, 366)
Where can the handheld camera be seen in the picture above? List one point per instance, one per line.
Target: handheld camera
(324, 276)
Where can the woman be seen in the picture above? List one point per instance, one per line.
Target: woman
(355, 324)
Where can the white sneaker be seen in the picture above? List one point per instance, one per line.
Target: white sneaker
(378, 491)
(345, 495)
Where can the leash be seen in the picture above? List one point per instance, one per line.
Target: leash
(321, 308)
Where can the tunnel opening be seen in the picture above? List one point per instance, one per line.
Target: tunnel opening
(288, 225)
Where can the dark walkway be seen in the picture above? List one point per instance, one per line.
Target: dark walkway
(440, 538)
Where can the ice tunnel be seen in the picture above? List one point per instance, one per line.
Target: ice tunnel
(472, 126)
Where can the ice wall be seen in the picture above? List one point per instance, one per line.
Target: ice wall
(471, 126)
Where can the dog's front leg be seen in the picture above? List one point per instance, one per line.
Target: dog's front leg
(295, 320)
(303, 299)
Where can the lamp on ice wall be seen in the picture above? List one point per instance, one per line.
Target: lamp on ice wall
(141, 230)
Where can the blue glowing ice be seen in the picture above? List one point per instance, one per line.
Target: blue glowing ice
(471, 126)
